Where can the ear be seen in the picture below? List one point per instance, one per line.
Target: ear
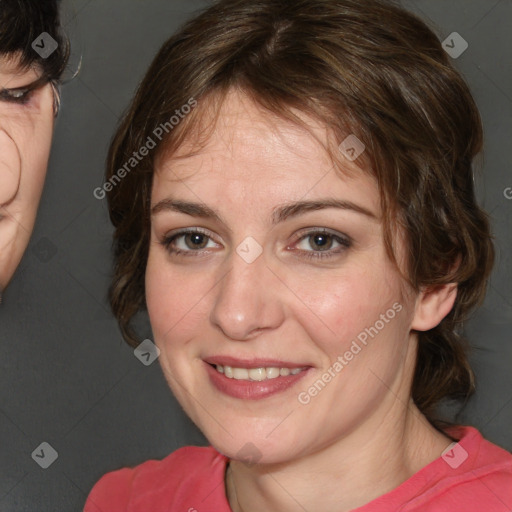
(432, 305)
(10, 168)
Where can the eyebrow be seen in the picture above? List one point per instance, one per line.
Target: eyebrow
(279, 214)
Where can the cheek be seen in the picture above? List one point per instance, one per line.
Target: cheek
(158, 293)
(173, 298)
(32, 131)
(336, 309)
(10, 164)
(36, 150)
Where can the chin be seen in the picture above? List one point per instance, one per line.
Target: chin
(253, 446)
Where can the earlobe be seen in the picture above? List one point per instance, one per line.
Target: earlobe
(10, 168)
(432, 305)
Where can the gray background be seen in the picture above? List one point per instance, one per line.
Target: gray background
(67, 378)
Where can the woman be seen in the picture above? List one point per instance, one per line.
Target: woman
(293, 201)
(33, 56)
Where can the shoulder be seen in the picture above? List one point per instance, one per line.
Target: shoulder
(477, 454)
(473, 474)
(489, 467)
(185, 468)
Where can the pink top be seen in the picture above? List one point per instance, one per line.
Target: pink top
(473, 476)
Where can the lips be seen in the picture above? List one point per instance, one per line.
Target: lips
(255, 378)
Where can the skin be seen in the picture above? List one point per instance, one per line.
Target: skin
(285, 306)
(25, 138)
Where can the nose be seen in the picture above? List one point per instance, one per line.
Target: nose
(248, 299)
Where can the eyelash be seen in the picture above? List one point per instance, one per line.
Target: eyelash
(344, 241)
(9, 95)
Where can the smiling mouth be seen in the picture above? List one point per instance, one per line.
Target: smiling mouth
(256, 374)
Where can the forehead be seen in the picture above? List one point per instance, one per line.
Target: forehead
(10, 69)
(251, 145)
(242, 127)
(11, 63)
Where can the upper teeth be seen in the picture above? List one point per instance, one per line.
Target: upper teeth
(256, 373)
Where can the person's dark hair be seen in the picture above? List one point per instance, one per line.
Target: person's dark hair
(363, 67)
(21, 22)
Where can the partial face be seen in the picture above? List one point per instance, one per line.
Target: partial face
(226, 316)
(26, 127)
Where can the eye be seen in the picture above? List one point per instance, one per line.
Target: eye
(322, 240)
(193, 242)
(19, 96)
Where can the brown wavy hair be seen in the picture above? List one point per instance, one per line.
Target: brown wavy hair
(363, 67)
(21, 22)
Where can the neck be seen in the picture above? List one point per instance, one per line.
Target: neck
(344, 475)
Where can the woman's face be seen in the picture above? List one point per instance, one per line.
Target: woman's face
(26, 127)
(304, 303)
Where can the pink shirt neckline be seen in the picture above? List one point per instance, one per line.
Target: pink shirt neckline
(417, 487)
(471, 475)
